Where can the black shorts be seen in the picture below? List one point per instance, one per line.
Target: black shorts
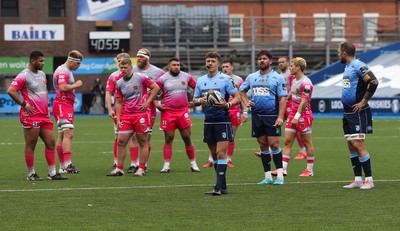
(216, 132)
(357, 122)
(264, 126)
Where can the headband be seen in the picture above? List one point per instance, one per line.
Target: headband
(144, 54)
(74, 59)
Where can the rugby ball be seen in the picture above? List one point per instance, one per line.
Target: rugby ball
(214, 96)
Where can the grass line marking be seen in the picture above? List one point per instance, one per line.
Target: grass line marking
(171, 186)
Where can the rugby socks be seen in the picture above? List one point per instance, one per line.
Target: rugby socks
(120, 166)
(310, 163)
(51, 161)
(210, 158)
(231, 148)
(221, 173)
(300, 142)
(115, 151)
(285, 162)
(167, 155)
(277, 158)
(266, 160)
(355, 162)
(134, 151)
(67, 158)
(30, 163)
(190, 152)
(60, 155)
(366, 165)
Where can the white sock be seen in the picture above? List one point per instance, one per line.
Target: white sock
(369, 179)
(268, 175)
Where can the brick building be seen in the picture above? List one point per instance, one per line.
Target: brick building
(186, 28)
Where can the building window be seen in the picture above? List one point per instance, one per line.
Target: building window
(56, 8)
(236, 28)
(321, 25)
(288, 28)
(370, 26)
(9, 8)
(338, 27)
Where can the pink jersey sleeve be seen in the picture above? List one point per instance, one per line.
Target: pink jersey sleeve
(146, 81)
(110, 84)
(306, 90)
(192, 82)
(18, 83)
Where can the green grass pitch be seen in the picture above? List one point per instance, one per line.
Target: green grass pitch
(175, 201)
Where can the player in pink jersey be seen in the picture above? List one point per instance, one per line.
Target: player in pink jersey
(34, 114)
(174, 112)
(63, 108)
(234, 113)
(300, 117)
(110, 91)
(285, 72)
(143, 66)
(131, 112)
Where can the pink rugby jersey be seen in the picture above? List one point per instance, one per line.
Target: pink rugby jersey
(62, 75)
(175, 89)
(112, 80)
(301, 89)
(237, 81)
(33, 87)
(132, 92)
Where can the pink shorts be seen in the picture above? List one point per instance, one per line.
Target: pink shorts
(304, 123)
(236, 118)
(36, 122)
(131, 124)
(63, 112)
(171, 120)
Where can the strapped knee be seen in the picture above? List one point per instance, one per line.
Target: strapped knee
(359, 136)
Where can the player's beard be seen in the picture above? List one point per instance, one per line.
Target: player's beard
(142, 64)
(174, 73)
(263, 66)
(342, 60)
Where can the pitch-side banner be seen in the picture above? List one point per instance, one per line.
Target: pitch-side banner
(389, 105)
(91, 66)
(12, 65)
(7, 105)
(103, 10)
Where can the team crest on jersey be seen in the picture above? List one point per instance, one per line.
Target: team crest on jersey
(135, 88)
(183, 83)
(364, 69)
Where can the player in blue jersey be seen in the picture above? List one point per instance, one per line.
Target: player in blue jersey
(217, 124)
(268, 90)
(359, 85)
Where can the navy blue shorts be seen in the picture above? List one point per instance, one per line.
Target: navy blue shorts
(357, 122)
(216, 132)
(264, 126)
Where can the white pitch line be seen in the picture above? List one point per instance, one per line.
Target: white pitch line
(170, 186)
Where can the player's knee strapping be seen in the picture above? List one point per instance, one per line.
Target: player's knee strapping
(359, 136)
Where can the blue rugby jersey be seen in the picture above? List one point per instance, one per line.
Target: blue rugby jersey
(266, 91)
(353, 86)
(222, 83)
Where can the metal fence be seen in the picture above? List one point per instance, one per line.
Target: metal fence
(185, 34)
